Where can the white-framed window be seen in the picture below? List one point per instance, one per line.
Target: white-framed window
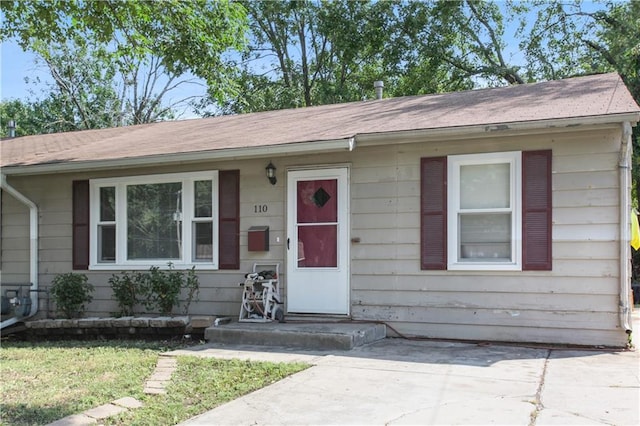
(484, 215)
(143, 221)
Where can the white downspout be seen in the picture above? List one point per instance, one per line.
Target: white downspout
(625, 227)
(33, 248)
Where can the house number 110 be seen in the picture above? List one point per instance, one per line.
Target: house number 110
(260, 208)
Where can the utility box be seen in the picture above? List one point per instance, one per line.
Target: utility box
(259, 238)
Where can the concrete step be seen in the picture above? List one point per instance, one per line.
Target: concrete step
(316, 335)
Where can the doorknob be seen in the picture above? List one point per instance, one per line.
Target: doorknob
(288, 243)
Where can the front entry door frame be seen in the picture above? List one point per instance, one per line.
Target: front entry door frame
(318, 290)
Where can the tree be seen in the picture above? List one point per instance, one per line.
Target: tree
(569, 39)
(93, 92)
(22, 115)
(278, 29)
(595, 41)
(83, 87)
(105, 92)
(50, 115)
(144, 85)
(183, 35)
(304, 53)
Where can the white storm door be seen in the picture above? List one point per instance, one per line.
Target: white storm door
(318, 241)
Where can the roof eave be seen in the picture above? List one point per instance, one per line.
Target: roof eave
(498, 129)
(345, 144)
(181, 158)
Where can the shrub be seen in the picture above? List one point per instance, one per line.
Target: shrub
(125, 289)
(192, 285)
(156, 290)
(164, 289)
(71, 291)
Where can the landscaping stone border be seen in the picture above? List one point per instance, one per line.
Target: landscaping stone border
(124, 327)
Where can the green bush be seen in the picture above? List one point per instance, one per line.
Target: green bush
(70, 292)
(125, 289)
(192, 285)
(157, 290)
(164, 289)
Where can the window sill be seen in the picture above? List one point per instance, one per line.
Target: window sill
(146, 266)
(484, 266)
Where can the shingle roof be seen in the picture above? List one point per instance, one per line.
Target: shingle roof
(591, 96)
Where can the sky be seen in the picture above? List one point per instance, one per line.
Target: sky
(15, 65)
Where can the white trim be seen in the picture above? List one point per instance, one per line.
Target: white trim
(493, 130)
(345, 144)
(315, 280)
(454, 162)
(33, 247)
(286, 149)
(120, 184)
(624, 171)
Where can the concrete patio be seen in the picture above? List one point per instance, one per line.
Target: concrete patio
(396, 381)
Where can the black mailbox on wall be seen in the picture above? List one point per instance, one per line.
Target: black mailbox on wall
(259, 238)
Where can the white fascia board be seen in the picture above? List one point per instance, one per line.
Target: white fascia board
(497, 129)
(182, 158)
(346, 144)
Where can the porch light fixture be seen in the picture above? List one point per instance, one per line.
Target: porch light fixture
(271, 173)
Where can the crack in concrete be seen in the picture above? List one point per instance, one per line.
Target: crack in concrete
(539, 406)
(395, 419)
(604, 422)
(455, 402)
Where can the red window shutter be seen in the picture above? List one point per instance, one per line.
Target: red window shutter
(536, 210)
(80, 227)
(229, 219)
(433, 213)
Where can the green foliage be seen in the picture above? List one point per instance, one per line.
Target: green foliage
(201, 384)
(331, 52)
(43, 382)
(125, 290)
(192, 287)
(157, 290)
(49, 115)
(311, 53)
(185, 35)
(22, 113)
(84, 94)
(163, 289)
(569, 38)
(70, 292)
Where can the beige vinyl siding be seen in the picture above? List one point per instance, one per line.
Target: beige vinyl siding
(14, 237)
(220, 293)
(576, 302)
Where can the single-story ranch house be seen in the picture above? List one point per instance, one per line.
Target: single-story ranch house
(499, 214)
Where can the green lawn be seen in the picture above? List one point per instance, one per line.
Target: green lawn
(43, 382)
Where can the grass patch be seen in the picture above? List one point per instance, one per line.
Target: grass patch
(200, 384)
(45, 381)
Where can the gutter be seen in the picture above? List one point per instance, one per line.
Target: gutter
(498, 129)
(33, 249)
(345, 144)
(624, 308)
(348, 143)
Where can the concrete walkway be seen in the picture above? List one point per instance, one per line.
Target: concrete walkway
(397, 382)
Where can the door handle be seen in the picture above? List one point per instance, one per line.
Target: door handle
(288, 243)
